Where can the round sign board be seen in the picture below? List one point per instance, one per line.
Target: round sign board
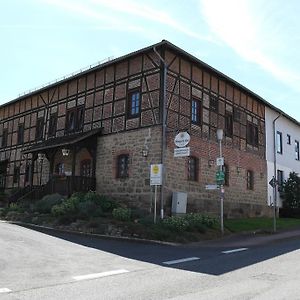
(182, 139)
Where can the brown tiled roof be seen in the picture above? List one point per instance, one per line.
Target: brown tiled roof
(65, 140)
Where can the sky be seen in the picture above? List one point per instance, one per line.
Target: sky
(255, 42)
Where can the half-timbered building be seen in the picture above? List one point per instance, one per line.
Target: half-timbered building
(101, 129)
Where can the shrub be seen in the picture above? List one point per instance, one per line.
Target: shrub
(88, 208)
(198, 220)
(15, 207)
(47, 202)
(177, 224)
(121, 214)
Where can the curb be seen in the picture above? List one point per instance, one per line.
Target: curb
(94, 235)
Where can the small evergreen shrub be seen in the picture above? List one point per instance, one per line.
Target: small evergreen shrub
(121, 214)
(178, 224)
(47, 202)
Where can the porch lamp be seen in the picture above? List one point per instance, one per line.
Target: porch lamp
(219, 139)
(65, 151)
(40, 157)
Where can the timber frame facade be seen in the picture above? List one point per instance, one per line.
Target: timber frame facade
(108, 120)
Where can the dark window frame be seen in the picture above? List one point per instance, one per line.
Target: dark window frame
(228, 124)
(16, 175)
(86, 165)
(193, 167)
(39, 129)
(297, 150)
(226, 173)
(20, 134)
(4, 138)
(250, 180)
(134, 109)
(214, 104)
(76, 123)
(280, 180)
(289, 139)
(123, 166)
(279, 149)
(196, 111)
(237, 114)
(252, 134)
(52, 125)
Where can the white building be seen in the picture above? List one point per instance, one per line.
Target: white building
(282, 149)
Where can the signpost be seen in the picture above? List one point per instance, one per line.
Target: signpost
(155, 179)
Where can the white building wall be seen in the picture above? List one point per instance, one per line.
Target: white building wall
(286, 161)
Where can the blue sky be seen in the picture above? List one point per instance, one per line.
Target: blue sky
(255, 42)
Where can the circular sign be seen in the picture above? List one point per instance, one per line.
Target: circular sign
(155, 169)
(182, 139)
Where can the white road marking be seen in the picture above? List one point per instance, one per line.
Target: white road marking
(99, 275)
(4, 290)
(234, 250)
(177, 261)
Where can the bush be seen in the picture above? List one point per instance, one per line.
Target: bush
(178, 224)
(47, 202)
(87, 209)
(15, 207)
(121, 214)
(291, 189)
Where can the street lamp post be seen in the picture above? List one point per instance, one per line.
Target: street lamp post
(220, 138)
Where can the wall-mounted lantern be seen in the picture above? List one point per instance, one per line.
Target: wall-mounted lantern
(65, 151)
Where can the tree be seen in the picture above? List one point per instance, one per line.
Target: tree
(291, 189)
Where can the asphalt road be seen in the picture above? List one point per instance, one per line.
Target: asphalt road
(50, 265)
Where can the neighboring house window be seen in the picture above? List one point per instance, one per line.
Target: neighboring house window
(193, 168)
(279, 142)
(123, 166)
(213, 104)
(134, 103)
(86, 168)
(20, 133)
(16, 175)
(4, 138)
(280, 180)
(52, 125)
(196, 111)
(39, 129)
(226, 172)
(75, 119)
(250, 180)
(252, 134)
(228, 125)
(288, 138)
(60, 169)
(297, 154)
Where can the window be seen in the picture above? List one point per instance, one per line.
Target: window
(134, 103)
(4, 138)
(280, 180)
(297, 154)
(16, 175)
(75, 119)
(39, 129)
(27, 172)
(288, 138)
(123, 166)
(213, 104)
(196, 111)
(279, 142)
(193, 168)
(228, 124)
(86, 168)
(226, 172)
(60, 169)
(252, 134)
(20, 133)
(250, 180)
(236, 114)
(52, 125)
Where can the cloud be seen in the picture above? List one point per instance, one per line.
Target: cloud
(246, 32)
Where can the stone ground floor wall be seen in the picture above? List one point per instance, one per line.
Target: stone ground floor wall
(136, 191)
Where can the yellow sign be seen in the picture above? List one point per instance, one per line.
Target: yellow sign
(155, 169)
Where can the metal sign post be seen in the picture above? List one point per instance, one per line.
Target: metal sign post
(155, 179)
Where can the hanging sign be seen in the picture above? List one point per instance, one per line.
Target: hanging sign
(182, 139)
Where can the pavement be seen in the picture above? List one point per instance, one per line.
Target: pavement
(244, 239)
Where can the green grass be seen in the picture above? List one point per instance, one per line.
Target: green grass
(255, 224)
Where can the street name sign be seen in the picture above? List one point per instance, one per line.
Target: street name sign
(211, 187)
(181, 152)
(182, 139)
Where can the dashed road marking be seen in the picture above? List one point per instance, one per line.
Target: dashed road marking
(4, 290)
(234, 250)
(99, 275)
(178, 261)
